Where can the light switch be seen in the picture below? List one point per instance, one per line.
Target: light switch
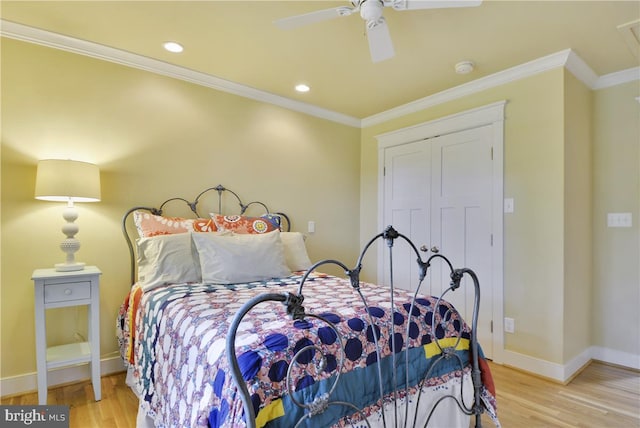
(508, 205)
(619, 220)
(311, 227)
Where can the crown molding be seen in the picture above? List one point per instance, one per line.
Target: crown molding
(94, 50)
(617, 78)
(580, 69)
(566, 58)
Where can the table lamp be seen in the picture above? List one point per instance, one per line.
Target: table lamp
(68, 181)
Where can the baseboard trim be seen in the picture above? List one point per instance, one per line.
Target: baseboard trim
(572, 368)
(619, 358)
(26, 383)
(564, 373)
(534, 365)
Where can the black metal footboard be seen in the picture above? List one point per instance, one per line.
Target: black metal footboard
(396, 385)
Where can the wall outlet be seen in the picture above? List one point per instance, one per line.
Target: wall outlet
(509, 325)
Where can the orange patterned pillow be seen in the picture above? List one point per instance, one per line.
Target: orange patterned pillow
(204, 225)
(243, 224)
(149, 225)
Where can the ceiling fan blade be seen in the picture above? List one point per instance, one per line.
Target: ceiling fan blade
(380, 43)
(433, 4)
(312, 17)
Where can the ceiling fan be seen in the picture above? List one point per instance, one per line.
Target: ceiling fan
(380, 44)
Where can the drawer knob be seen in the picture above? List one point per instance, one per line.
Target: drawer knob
(67, 291)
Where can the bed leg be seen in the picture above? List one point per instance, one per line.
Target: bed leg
(476, 378)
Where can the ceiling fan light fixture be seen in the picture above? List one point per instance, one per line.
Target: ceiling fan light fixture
(371, 10)
(464, 67)
(173, 47)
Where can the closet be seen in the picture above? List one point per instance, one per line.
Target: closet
(441, 186)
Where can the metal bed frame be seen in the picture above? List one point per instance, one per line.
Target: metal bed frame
(193, 206)
(296, 311)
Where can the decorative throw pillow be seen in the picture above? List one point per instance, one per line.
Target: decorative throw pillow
(149, 225)
(238, 258)
(295, 251)
(244, 224)
(204, 225)
(167, 259)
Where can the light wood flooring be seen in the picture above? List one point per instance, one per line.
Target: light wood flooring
(602, 396)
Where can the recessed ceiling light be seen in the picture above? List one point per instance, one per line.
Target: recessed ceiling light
(173, 47)
(302, 88)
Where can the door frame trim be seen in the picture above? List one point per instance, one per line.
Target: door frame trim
(490, 114)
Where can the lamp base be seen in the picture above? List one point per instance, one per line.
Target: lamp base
(69, 267)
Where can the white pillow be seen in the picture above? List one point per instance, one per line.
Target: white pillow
(295, 252)
(237, 258)
(167, 259)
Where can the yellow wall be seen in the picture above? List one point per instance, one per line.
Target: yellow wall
(616, 251)
(533, 160)
(578, 220)
(153, 138)
(570, 156)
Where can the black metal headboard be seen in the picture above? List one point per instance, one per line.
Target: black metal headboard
(193, 207)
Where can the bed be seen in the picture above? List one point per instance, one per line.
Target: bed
(229, 324)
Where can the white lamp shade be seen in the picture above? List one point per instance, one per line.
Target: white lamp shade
(64, 180)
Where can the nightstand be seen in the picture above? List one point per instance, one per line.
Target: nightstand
(55, 289)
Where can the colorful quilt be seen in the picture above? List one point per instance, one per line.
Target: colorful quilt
(173, 339)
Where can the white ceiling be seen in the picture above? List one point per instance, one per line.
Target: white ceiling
(237, 41)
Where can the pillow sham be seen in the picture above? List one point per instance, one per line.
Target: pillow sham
(149, 225)
(244, 224)
(295, 251)
(238, 258)
(167, 259)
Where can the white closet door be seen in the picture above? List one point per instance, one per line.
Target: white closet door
(461, 222)
(438, 192)
(407, 189)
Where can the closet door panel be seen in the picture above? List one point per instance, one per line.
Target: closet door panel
(407, 187)
(461, 217)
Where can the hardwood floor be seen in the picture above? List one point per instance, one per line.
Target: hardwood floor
(602, 396)
(117, 409)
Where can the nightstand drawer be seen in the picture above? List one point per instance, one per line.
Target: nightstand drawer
(66, 292)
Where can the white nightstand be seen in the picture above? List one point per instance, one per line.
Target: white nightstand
(60, 289)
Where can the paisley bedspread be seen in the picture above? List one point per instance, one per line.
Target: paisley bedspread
(173, 340)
